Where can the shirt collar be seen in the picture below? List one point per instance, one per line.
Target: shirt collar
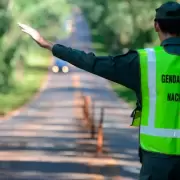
(171, 41)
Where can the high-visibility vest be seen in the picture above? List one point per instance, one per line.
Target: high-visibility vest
(160, 86)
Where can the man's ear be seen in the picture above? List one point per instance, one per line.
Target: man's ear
(156, 26)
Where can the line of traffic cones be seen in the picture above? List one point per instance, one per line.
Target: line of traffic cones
(89, 118)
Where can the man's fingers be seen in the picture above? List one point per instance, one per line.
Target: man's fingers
(25, 31)
(23, 26)
(28, 30)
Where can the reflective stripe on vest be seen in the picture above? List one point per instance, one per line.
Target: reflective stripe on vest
(152, 137)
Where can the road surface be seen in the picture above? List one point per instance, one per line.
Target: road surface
(45, 140)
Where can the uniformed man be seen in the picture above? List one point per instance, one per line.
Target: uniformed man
(154, 74)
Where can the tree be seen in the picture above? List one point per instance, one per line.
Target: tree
(123, 24)
(47, 15)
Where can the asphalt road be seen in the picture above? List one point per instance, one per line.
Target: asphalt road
(45, 140)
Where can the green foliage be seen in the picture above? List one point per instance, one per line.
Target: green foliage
(127, 94)
(123, 24)
(47, 16)
(21, 92)
(22, 63)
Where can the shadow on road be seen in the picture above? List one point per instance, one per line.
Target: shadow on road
(45, 145)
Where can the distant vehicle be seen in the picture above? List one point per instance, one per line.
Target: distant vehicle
(69, 25)
(60, 66)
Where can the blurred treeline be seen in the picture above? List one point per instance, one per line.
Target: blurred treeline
(123, 24)
(16, 49)
(120, 25)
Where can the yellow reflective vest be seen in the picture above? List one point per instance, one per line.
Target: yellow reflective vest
(159, 119)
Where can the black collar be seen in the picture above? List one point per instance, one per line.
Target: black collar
(171, 41)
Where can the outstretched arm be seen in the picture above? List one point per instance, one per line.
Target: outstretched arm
(122, 69)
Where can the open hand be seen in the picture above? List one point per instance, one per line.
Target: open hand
(36, 36)
(30, 31)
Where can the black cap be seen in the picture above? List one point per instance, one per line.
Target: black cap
(169, 10)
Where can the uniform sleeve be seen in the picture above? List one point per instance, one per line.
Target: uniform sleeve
(122, 69)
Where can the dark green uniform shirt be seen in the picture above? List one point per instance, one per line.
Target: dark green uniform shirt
(123, 69)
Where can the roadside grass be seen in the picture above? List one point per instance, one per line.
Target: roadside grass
(127, 94)
(32, 79)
